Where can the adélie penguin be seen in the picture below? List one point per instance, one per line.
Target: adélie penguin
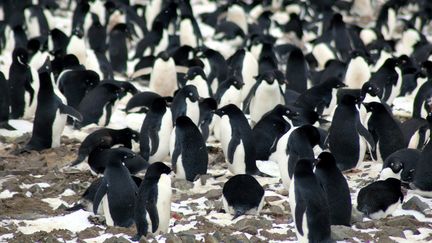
(308, 203)
(380, 198)
(4, 104)
(336, 187)
(401, 165)
(155, 131)
(189, 156)
(242, 194)
(116, 193)
(237, 141)
(51, 113)
(152, 210)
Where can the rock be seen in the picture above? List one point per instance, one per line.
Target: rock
(276, 210)
(365, 224)
(204, 178)
(260, 223)
(250, 229)
(391, 231)
(90, 232)
(214, 194)
(218, 235)
(187, 238)
(183, 185)
(171, 238)
(414, 203)
(120, 239)
(356, 216)
(342, 232)
(210, 239)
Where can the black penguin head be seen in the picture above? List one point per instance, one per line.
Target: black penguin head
(184, 121)
(190, 92)
(390, 63)
(325, 160)
(120, 154)
(155, 170)
(268, 77)
(122, 28)
(158, 105)
(195, 71)
(131, 133)
(369, 88)
(337, 19)
(373, 106)
(70, 60)
(46, 67)
(236, 81)
(304, 168)
(285, 111)
(396, 166)
(78, 32)
(164, 56)
(350, 100)
(20, 55)
(311, 133)
(33, 46)
(394, 182)
(209, 104)
(280, 77)
(426, 69)
(333, 83)
(227, 110)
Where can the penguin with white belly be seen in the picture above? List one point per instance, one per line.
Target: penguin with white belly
(264, 96)
(189, 156)
(237, 141)
(152, 210)
(308, 203)
(163, 77)
(196, 77)
(155, 131)
(51, 113)
(186, 103)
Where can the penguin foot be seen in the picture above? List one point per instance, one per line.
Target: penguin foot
(137, 237)
(22, 151)
(6, 126)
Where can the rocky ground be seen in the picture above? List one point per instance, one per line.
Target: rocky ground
(37, 188)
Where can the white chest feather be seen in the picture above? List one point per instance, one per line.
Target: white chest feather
(187, 35)
(357, 73)
(164, 203)
(201, 85)
(163, 78)
(192, 111)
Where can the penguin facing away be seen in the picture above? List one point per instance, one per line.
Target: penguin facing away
(336, 187)
(152, 210)
(116, 193)
(189, 156)
(242, 194)
(380, 198)
(308, 202)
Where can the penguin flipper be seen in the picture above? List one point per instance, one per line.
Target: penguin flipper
(154, 139)
(366, 134)
(248, 99)
(70, 111)
(300, 209)
(102, 190)
(7, 126)
(232, 146)
(151, 207)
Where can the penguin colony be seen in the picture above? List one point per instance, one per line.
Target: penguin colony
(307, 84)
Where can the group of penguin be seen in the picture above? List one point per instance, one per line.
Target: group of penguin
(296, 82)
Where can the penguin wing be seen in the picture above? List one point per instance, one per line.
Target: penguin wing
(154, 139)
(102, 190)
(232, 146)
(249, 97)
(362, 131)
(300, 209)
(151, 202)
(69, 110)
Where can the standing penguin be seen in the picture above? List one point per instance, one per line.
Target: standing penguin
(295, 144)
(385, 131)
(237, 140)
(4, 104)
(388, 79)
(116, 193)
(348, 138)
(336, 187)
(196, 77)
(308, 203)
(153, 203)
(117, 47)
(244, 64)
(242, 194)
(155, 131)
(422, 182)
(186, 103)
(163, 78)
(77, 46)
(97, 35)
(190, 33)
(22, 95)
(189, 155)
(51, 113)
(380, 198)
(296, 71)
(264, 96)
(357, 72)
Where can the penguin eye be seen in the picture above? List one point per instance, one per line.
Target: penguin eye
(391, 164)
(190, 94)
(370, 88)
(412, 170)
(287, 112)
(125, 157)
(235, 82)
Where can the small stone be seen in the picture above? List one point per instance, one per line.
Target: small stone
(210, 239)
(356, 216)
(214, 194)
(276, 210)
(341, 232)
(204, 178)
(416, 204)
(187, 238)
(183, 185)
(250, 229)
(260, 223)
(365, 225)
(171, 238)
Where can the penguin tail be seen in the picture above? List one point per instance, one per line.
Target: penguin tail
(5, 125)
(136, 237)
(75, 207)
(238, 212)
(77, 161)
